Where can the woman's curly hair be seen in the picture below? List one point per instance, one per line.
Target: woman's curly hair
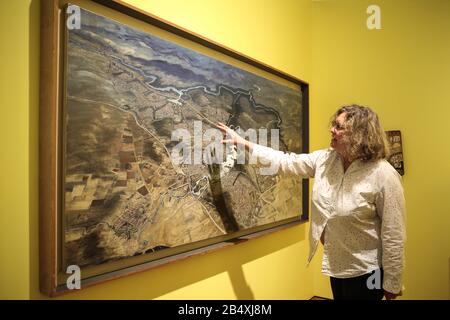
(366, 139)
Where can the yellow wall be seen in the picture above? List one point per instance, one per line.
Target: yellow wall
(403, 72)
(277, 33)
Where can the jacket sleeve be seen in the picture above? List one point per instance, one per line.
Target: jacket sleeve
(390, 205)
(303, 165)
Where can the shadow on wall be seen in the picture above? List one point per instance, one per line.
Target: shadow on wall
(240, 286)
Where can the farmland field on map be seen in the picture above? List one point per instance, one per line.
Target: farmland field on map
(126, 92)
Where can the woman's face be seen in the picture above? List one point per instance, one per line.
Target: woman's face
(338, 133)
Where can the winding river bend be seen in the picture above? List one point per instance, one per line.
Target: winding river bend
(237, 93)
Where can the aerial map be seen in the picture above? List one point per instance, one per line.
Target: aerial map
(126, 92)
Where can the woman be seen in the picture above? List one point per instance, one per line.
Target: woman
(357, 204)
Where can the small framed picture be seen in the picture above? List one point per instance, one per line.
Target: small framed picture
(396, 155)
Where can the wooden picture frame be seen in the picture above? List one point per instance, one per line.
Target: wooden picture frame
(54, 97)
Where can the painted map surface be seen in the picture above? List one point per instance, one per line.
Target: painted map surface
(126, 92)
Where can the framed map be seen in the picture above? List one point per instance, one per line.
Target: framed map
(129, 105)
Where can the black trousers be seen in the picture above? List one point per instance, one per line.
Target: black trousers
(356, 288)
